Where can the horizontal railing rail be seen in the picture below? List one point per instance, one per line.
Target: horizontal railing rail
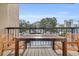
(42, 28)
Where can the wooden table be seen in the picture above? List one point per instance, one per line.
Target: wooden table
(44, 37)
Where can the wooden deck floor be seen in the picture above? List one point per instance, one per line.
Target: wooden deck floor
(40, 52)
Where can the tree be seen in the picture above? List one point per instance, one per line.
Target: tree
(48, 23)
(24, 24)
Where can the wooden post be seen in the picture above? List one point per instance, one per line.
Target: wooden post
(16, 48)
(2, 49)
(53, 45)
(64, 50)
(25, 45)
(72, 38)
(8, 34)
(78, 45)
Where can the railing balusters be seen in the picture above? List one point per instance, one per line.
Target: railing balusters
(57, 31)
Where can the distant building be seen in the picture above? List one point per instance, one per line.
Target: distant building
(59, 25)
(68, 23)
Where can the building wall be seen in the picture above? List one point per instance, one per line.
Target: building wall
(9, 16)
(13, 13)
(3, 16)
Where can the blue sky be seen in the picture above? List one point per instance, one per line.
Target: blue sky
(35, 12)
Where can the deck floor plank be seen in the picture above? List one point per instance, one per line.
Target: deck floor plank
(36, 52)
(29, 52)
(32, 52)
(26, 52)
(40, 51)
(51, 52)
(6, 53)
(73, 53)
(47, 52)
(43, 52)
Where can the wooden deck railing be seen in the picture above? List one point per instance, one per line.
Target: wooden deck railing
(71, 33)
(68, 32)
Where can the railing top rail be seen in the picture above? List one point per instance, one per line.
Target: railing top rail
(42, 28)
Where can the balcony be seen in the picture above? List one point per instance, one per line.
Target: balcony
(41, 47)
